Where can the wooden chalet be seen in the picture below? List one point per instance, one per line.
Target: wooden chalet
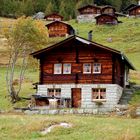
(88, 13)
(59, 29)
(89, 9)
(106, 19)
(80, 73)
(53, 17)
(128, 7)
(108, 10)
(134, 11)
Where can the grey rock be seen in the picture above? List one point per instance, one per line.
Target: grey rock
(53, 112)
(29, 112)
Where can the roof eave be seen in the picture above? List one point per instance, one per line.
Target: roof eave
(129, 63)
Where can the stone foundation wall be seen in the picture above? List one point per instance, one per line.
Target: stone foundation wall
(86, 18)
(113, 94)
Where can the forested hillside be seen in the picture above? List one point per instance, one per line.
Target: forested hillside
(66, 8)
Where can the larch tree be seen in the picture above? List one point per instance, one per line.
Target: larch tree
(49, 9)
(26, 36)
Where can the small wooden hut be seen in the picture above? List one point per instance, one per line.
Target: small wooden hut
(134, 11)
(59, 29)
(54, 17)
(106, 19)
(128, 7)
(89, 9)
(108, 10)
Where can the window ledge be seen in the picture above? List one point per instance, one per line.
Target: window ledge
(99, 100)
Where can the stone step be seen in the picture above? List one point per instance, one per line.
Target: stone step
(122, 107)
(126, 96)
(137, 87)
(128, 92)
(123, 103)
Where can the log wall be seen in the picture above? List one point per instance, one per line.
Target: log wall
(77, 59)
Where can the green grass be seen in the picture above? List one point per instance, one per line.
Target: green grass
(31, 76)
(136, 98)
(125, 37)
(22, 127)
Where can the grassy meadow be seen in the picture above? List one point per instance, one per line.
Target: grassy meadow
(23, 127)
(126, 38)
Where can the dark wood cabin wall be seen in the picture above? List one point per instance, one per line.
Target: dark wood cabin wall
(41, 71)
(135, 12)
(105, 19)
(109, 11)
(58, 29)
(90, 10)
(118, 72)
(54, 17)
(68, 55)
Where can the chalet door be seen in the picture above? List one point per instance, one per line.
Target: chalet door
(76, 97)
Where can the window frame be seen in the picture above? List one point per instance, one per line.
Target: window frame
(69, 69)
(99, 95)
(84, 72)
(61, 70)
(100, 68)
(54, 91)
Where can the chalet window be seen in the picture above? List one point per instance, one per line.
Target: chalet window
(54, 92)
(96, 68)
(87, 68)
(98, 11)
(57, 68)
(66, 68)
(99, 94)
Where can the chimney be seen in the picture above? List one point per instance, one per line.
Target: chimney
(90, 35)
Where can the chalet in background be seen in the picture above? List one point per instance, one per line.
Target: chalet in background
(80, 73)
(54, 17)
(106, 19)
(88, 13)
(59, 29)
(128, 7)
(134, 11)
(109, 10)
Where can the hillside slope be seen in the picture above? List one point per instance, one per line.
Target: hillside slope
(124, 37)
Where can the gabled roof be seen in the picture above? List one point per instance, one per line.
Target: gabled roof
(129, 7)
(51, 23)
(107, 6)
(83, 7)
(106, 15)
(53, 14)
(38, 54)
(137, 6)
(120, 14)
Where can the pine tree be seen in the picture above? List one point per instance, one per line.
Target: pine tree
(68, 8)
(63, 10)
(28, 8)
(49, 9)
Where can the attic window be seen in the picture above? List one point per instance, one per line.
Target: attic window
(66, 68)
(96, 68)
(99, 94)
(57, 68)
(87, 68)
